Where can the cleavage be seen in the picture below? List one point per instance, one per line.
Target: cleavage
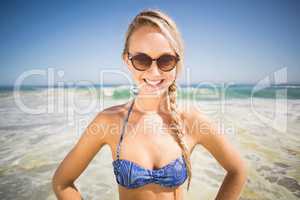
(147, 152)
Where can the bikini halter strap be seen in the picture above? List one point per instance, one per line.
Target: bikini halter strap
(123, 129)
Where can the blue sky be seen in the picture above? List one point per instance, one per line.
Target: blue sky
(225, 41)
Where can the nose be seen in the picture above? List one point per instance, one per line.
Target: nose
(154, 70)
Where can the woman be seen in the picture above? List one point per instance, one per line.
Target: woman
(154, 162)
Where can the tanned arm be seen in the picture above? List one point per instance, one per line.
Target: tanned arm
(92, 140)
(205, 133)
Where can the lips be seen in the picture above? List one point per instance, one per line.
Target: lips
(154, 82)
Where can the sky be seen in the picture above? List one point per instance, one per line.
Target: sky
(240, 41)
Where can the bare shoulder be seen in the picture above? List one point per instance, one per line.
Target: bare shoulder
(111, 114)
(205, 132)
(196, 121)
(108, 121)
(98, 133)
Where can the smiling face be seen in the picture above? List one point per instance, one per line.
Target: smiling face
(151, 41)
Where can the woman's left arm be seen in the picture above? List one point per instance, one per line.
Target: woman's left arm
(206, 134)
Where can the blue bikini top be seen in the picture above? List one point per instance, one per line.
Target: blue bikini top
(131, 175)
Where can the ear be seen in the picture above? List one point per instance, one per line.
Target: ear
(126, 60)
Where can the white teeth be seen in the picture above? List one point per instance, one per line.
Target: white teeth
(153, 82)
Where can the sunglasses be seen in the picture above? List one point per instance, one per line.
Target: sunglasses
(142, 61)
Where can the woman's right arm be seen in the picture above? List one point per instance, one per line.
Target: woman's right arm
(95, 136)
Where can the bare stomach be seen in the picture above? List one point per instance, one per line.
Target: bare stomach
(150, 192)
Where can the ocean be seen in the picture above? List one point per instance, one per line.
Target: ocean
(39, 125)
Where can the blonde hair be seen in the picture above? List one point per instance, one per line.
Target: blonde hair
(156, 18)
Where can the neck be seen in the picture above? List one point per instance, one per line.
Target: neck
(148, 104)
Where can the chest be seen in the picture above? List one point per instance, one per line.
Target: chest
(150, 142)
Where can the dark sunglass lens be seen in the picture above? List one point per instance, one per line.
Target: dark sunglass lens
(141, 61)
(166, 62)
